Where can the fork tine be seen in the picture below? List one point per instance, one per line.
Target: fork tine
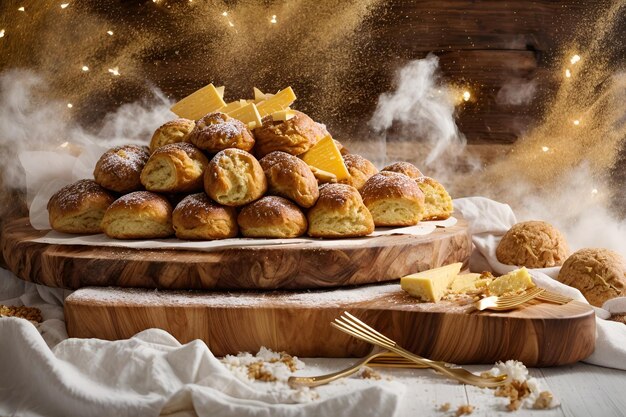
(372, 330)
(354, 324)
(508, 301)
(555, 297)
(349, 330)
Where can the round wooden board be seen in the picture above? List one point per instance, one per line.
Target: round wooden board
(294, 266)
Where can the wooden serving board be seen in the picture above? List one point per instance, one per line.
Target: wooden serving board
(293, 266)
(539, 334)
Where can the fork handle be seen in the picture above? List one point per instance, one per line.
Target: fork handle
(316, 381)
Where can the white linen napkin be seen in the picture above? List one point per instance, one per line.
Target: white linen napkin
(488, 222)
(46, 374)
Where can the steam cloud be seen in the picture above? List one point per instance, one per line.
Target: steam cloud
(517, 92)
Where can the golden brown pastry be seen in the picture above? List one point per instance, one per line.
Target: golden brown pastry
(360, 170)
(393, 199)
(234, 178)
(294, 136)
(217, 131)
(138, 215)
(438, 204)
(533, 244)
(405, 168)
(174, 131)
(272, 217)
(599, 274)
(175, 168)
(79, 207)
(119, 168)
(339, 212)
(290, 177)
(196, 217)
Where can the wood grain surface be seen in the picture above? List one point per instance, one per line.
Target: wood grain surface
(540, 334)
(296, 266)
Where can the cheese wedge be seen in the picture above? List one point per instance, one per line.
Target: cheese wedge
(258, 95)
(220, 91)
(280, 101)
(464, 282)
(196, 105)
(326, 156)
(514, 281)
(283, 115)
(431, 285)
(247, 114)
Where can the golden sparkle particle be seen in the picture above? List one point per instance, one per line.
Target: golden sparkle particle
(231, 24)
(545, 148)
(64, 144)
(85, 68)
(64, 5)
(110, 32)
(1, 33)
(115, 71)
(594, 191)
(466, 95)
(21, 9)
(224, 13)
(568, 73)
(575, 59)
(576, 122)
(273, 19)
(70, 105)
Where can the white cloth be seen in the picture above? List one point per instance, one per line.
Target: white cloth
(46, 374)
(488, 222)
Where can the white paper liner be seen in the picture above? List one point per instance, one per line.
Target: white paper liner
(57, 238)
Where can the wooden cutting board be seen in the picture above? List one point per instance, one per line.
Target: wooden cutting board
(293, 266)
(538, 334)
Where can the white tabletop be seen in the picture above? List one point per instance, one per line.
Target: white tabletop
(583, 390)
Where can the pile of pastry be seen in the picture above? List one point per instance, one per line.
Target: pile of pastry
(252, 168)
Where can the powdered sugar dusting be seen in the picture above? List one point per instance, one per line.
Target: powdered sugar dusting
(271, 206)
(71, 196)
(130, 157)
(390, 184)
(138, 198)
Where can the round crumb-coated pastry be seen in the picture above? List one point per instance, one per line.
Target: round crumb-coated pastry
(175, 168)
(272, 217)
(437, 203)
(405, 168)
(533, 244)
(234, 178)
(174, 131)
(218, 131)
(79, 207)
(289, 176)
(360, 170)
(138, 215)
(196, 217)
(393, 199)
(339, 212)
(294, 136)
(599, 274)
(119, 168)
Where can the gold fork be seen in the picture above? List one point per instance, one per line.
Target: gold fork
(376, 358)
(507, 302)
(356, 328)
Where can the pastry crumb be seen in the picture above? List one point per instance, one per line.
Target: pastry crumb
(32, 314)
(543, 401)
(444, 407)
(369, 373)
(464, 409)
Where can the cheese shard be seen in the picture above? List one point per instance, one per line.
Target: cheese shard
(431, 285)
(514, 281)
(220, 91)
(247, 114)
(283, 115)
(280, 101)
(196, 105)
(464, 282)
(258, 95)
(233, 105)
(326, 156)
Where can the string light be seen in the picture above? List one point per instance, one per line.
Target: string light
(64, 5)
(70, 105)
(545, 148)
(568, 73)
(1, 33)
(273, 19)
(115, 71)
(466, 95)
(576, 122)
(21, 9)
(85, 68)
(224, 14)
(110, 32)
(575, 59)
(231, 24)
